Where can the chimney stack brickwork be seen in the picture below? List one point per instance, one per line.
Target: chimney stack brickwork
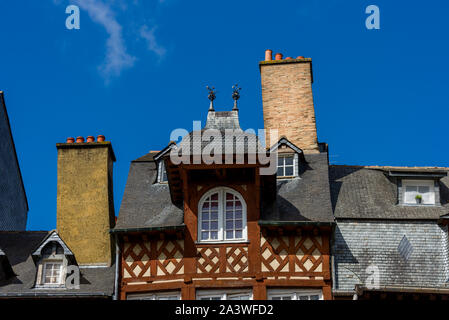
(85, 208)
(288, 102)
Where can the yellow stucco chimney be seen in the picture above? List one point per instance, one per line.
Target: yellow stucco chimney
(85, 206)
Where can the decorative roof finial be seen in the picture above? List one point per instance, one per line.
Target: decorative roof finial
(211, 97)
(236, 95)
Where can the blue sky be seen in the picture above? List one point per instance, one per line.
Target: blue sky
(136, 70)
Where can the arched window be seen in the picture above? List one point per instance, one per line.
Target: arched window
(222, 216)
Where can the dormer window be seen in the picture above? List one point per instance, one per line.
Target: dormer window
(162, 173)
(287, 166)
(52, 259)
(52, 273)
(419, 192)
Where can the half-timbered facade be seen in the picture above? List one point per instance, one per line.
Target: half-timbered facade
(226, 230)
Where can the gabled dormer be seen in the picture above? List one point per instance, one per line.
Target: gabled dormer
(291, 161)
(52, 259)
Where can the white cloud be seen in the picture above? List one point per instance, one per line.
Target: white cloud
(117, 58)
(148, 35)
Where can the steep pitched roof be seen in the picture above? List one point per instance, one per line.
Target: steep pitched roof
(19, 246)
(13, 215)
(147, 204)
(306, 198)
(367, 193)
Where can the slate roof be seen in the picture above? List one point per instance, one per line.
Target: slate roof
(222, 120)
(368, 193)
(305, 198)
(147, 204)
(18, 247)
(221, 133)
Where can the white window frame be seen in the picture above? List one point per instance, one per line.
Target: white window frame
(223, 294)
(418, 183)
(160, 172)
(295, 164)
(61, 273)
(294, 293)
(154, 295)
(221, 216)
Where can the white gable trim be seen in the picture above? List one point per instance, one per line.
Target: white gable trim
(164, 151)
(284, 141)
(53, 236)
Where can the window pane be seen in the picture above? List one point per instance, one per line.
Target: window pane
(214, 196)
(205, 216)
(214, 215)
(238, 224)
(205, 225)
(288, 171)
(410, 195)
(214, 225)
(303, 298)
(238, 297)
(238, 214)
(238, 205)
(229, 224)
(204, 235)
(229, 234)
(423, 189)
(288, 161)
(167, 298)
(238, 234)
(52, 273)
(229, 196)
(229, 215)
(214, 235)
(411, 188)
(280, 171)
(314, 297)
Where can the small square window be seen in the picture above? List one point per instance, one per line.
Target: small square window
(286, 165)
(52, 273)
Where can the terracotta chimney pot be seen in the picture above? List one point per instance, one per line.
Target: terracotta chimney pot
(100, 138)
(79, 139)
(268, 55)
(70, 140)
(288, 58)
(278, 56)
(90, 139)
(299, 57)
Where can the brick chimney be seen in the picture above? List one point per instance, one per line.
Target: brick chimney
(85, 206)
(287, 100)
